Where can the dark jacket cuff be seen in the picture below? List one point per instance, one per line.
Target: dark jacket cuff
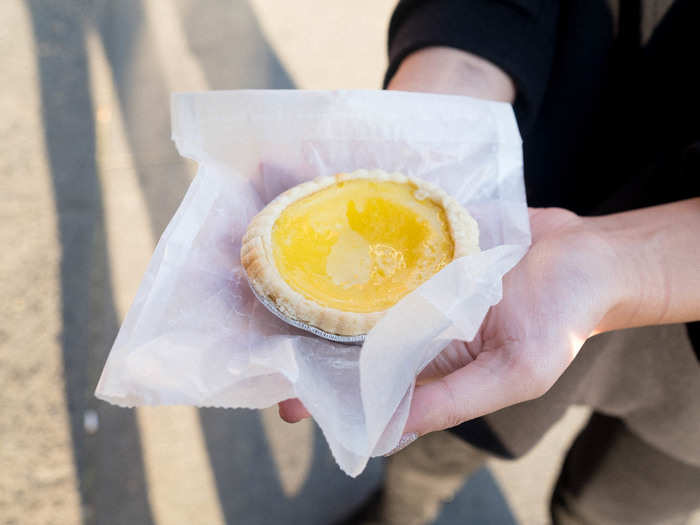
(516, 35)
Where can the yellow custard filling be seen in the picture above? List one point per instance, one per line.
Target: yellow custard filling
(360, 245)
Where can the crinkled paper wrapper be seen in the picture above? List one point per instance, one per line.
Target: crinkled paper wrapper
(196, 335)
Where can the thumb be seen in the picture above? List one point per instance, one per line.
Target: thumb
(491, 382)
(455, 356)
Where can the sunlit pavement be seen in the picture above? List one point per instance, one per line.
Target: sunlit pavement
(88, 180)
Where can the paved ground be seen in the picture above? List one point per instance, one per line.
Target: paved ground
(88, 181)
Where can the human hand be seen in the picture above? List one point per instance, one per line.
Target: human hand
(581, 276)
(557, 296)
(553, 300)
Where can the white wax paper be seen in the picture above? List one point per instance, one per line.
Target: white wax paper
(195, 334)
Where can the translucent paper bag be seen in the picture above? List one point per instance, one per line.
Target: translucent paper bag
(195, 334)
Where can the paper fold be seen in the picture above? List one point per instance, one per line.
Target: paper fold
(195, 335)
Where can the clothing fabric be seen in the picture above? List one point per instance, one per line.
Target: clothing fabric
(647, 377)
(607, 464)
(519, 36)
(637, 460)
(592, 103)
(645, 384)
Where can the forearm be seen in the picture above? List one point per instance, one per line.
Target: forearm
(452, 71)
(657, 264)
(656, 251)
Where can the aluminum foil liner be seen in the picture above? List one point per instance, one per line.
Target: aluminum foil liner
(272, 307)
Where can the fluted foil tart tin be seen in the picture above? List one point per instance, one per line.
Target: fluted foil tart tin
(272, 307)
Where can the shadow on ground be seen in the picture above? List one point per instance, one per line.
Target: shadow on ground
(479, 501)
(227, 42)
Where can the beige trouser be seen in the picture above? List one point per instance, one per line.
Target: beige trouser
(637, 461)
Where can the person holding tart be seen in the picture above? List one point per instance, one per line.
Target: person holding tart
(603, 309)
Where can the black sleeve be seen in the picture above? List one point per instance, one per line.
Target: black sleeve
(516, 35)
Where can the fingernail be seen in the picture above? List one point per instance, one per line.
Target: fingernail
(405, 440)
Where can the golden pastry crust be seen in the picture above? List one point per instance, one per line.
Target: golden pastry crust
(258, 261)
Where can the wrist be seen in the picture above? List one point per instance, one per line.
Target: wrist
(619, 272)
(598, 267)
(574, 257)
(655, 264)
(452, 71)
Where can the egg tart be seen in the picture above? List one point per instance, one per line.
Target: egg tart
(336, 252)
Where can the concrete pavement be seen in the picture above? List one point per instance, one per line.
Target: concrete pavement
(88, 180)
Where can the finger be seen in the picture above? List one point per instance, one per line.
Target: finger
(489, 383)
(292, 410)
(455, 356)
